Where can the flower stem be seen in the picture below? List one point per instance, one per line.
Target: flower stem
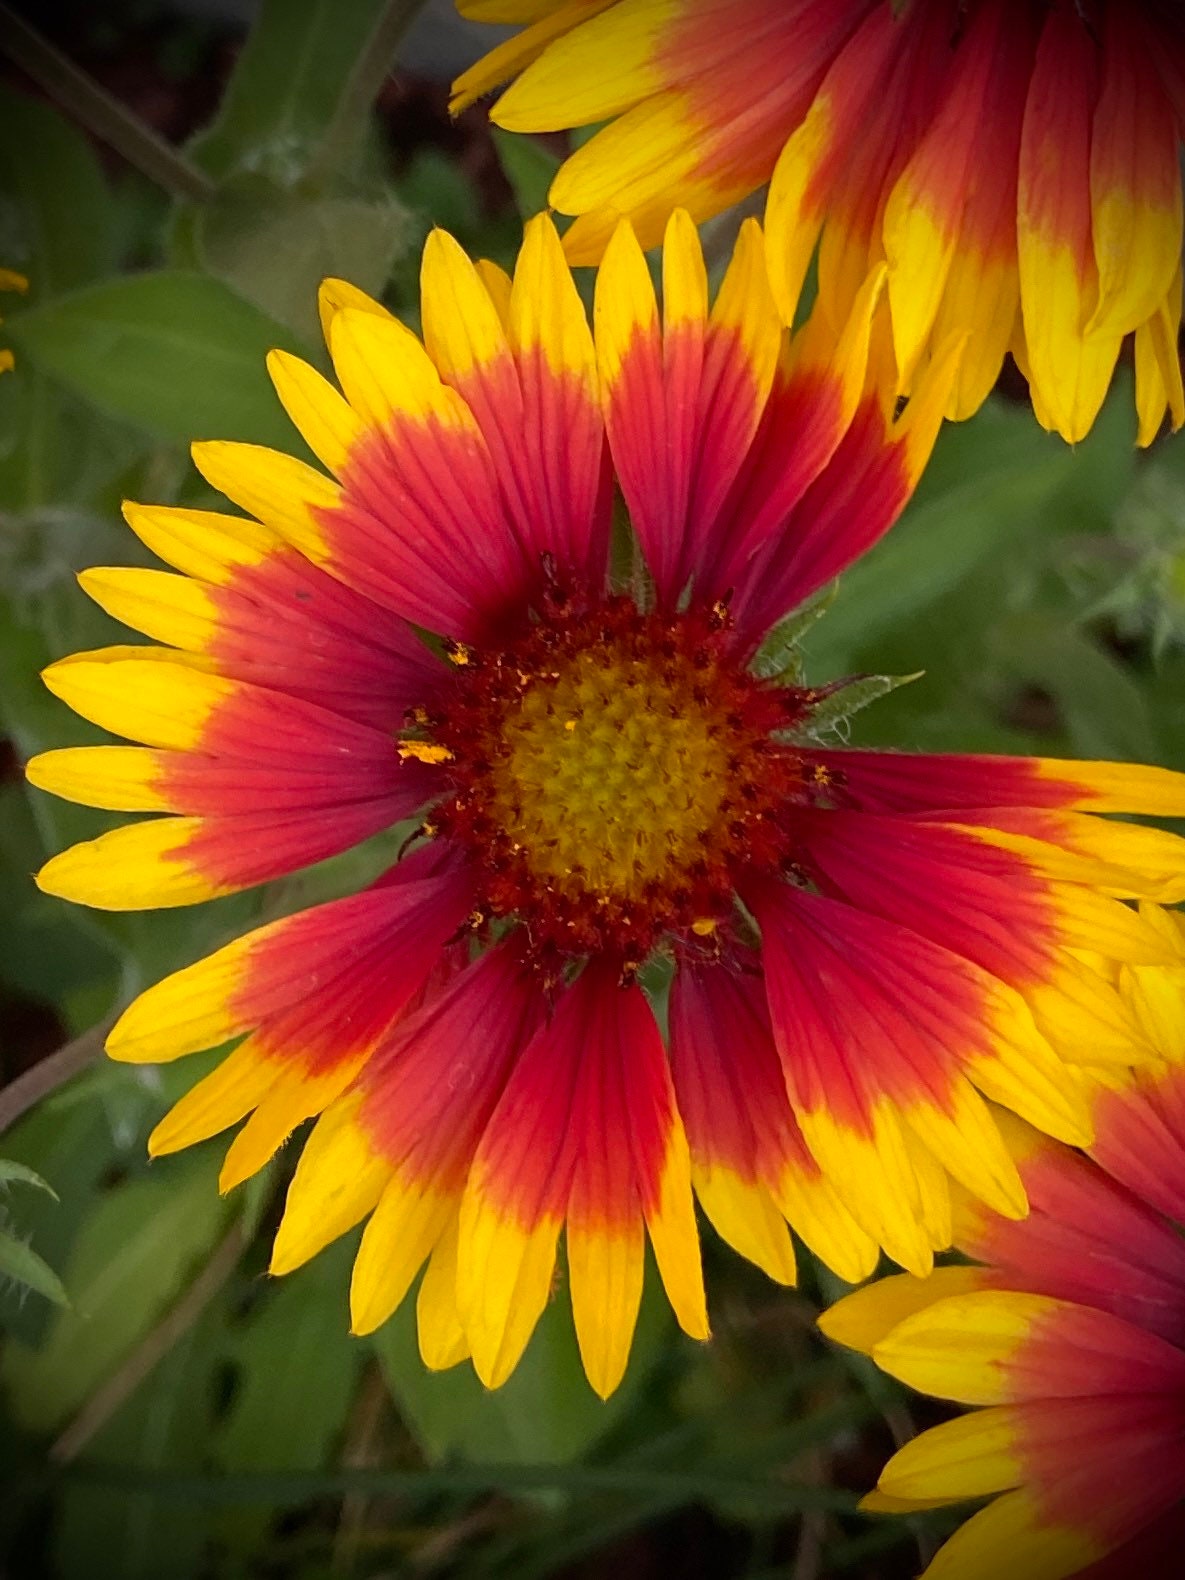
(94, 108)
(362, 87)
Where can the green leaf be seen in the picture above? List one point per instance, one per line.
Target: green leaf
(986, 490)
(56, 218)
(287, 85)
(175, 353)
(276, 247)
(841, 703)
(126, 1533)
(74, 1149)
(133, 1256)
(296, 1366)
(530, 168)
(544, 1413)
(781, 652)
(21, 1263)
(11, 1170)
(1104, 706)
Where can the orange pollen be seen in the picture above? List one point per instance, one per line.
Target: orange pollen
(612, 772)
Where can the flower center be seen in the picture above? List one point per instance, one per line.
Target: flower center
(610, 771)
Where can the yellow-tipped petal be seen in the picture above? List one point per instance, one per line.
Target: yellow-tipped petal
(1013, 1536)
(407, 1223)
(744, 1214)
(438, 1322)
(959, 1348)
(503, 1283)
(337, 1181)
(297, 1094)
(284, 493)
(965, 1458)
(149, 695)
(201, 543)
(335, 294)
(116, 778)
(326, 421)
(193, 1008)
(864, 1318)
(463, 329)
(218, 1101)
(166, 607)
(134, 868)
(605, 1278)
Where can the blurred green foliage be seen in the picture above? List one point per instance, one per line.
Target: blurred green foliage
(169, 1411)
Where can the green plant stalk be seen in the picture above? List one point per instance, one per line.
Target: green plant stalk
(367, 77)
(51, 1072)
(94, 108)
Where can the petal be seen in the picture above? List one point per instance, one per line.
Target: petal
(1070, 368)
(1135, 180)
(271, 617)
(810, 163)
(854, 500)
(925, 210)
(750, 1165)
(922, 782)
(968, 1457)
(1013, 1531)
(327, 423)
(997, 1346)
(862, 1319)
(890, 1023)
(276, 967)
(438, 1322)
(548, 1153)
(1086, 1239)
(426, 1100)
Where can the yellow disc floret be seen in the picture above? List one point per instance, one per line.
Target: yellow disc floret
(610, 771)
(613, 774)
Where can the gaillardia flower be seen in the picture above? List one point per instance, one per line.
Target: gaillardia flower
(1015, 162)
(1071, 1331)
(605, 771)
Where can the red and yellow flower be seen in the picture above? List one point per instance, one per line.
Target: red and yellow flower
(1069, 1330)
(603, 777)
(1015, 162)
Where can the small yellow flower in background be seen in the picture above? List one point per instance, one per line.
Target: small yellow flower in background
(1069, 1330)
(10, 281)
(1015, 162)
(864, 945)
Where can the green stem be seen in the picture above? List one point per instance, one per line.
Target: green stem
(367, 76)
(48, 1074)
(93, 107)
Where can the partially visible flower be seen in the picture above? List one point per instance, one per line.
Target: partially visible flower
(605, 776)
(1070, 1329)
(1016, 162)
(10, 281)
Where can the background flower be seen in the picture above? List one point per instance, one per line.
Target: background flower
(1016, 164)
(1069, 1327)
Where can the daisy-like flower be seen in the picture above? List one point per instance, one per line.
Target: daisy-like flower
(1016, 162)
(612, 775)
(10, 281)
(1070, 1330)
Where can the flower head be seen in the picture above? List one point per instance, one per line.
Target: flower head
(10, 281)
(1015, 162)
(604, 781)
(1069, 1329)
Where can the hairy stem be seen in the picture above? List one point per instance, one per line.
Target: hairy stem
(94, 108)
